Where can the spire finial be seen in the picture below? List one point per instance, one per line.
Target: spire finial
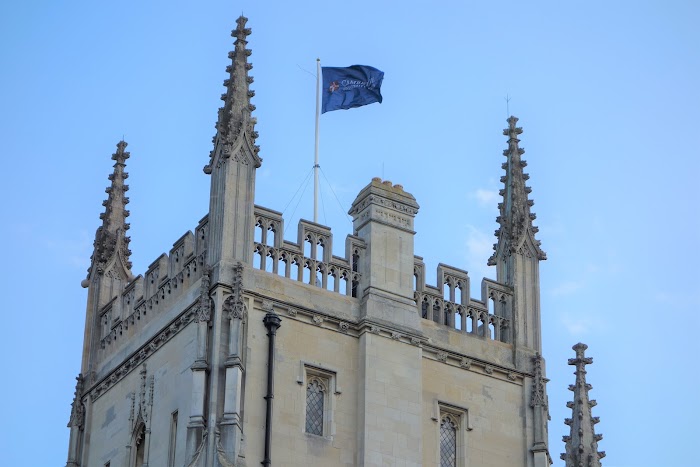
(235, 122)
(582, 443)
(111, 240)
(515, 219)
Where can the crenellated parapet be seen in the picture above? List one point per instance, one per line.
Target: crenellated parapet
(450, 305)
(384, 207)
(310, 260)
(165, 281)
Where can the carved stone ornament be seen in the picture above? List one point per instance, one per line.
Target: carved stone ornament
(77, 411)
(396, 335)
(343, 326)
(488, 369)
(417, 342)
(234, 305)
(441, 356)
(374, 329)
(158, 341)
(516, 233)
(111, 239)
(267, 305)
(317, 320)
(291, 312)
(538, 384)
(140, 412)
(203, 312)
(465, 363)
(511, 376)
(235, 127)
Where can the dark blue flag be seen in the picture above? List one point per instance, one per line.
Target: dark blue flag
(353, 86)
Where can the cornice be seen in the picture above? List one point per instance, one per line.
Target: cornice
(356, 328)
(141, 355)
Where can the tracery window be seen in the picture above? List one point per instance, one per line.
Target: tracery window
(448, 441)
(451, 428)
(316, 392)
(319, 388)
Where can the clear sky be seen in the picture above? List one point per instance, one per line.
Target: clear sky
(607, 94)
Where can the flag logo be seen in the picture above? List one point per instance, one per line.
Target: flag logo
(350, 87)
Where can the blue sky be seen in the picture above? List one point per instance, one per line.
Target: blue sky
(607, 94)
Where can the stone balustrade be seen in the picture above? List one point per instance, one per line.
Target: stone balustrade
(164, 280)
(451, 306)
(311, 259)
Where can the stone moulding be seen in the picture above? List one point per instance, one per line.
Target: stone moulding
(308, 316)
(144, 306)
(356, 329)
(470, 364)
(140, 356)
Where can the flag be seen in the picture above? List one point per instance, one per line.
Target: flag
(353, 86)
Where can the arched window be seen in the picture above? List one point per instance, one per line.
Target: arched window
(315, 400)
(448, 441)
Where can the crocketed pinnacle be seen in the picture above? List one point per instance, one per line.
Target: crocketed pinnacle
(582, 444)
(235, 125)
(111, 239)
(515, 219)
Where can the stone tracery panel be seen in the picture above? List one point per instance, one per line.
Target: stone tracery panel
(310, 260)
(451, 306)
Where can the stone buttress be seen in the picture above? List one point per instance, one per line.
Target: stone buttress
(383, 216)
(109, 272)
(216, 415)
(516, 256)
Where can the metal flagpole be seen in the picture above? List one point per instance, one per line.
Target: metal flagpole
(318, 110)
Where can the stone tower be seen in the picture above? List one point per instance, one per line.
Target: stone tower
(240, 347)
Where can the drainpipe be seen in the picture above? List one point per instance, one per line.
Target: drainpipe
(272, 322)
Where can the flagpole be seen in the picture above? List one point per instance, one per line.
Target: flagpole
(318, 109)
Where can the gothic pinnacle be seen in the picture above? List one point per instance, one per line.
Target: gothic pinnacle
(582, 443)
(235, 123)
(515, 218)
(111, 239)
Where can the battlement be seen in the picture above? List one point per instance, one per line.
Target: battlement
(165, 281)
(450, 304)
(310, 260)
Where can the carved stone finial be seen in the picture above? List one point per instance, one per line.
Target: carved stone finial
(235, 128)
(111, 246)
(582, 443)
(516, 232)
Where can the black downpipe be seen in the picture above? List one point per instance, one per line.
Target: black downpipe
(272, 322)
